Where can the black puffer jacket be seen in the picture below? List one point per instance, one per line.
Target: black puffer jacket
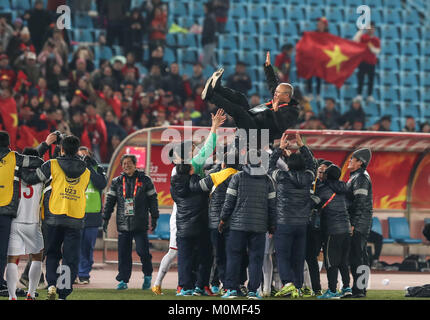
(293, 204)
(250, 202)
(217, 197)
(73, 167)
(21, 161)
(360, 201)
(334, 217)
(192, 205)
(145, 201)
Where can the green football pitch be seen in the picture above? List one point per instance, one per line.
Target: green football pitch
(136, 294)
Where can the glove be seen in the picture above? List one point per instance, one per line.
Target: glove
(221, 226)
(153, 224)
(105, 225)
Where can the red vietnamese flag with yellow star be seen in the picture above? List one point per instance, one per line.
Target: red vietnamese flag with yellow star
(9, 117)
(327, 56)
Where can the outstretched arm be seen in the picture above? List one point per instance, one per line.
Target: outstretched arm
(271, 78)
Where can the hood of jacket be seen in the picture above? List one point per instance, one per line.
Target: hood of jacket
(337, 186)
(4, 152)
(73, 167)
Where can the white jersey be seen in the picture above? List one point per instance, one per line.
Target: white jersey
(172, 244)
(29, 204)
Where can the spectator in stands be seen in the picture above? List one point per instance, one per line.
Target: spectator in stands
(154, 80)
(19, 44)
(85, 53)
(312, 122)
(115, 13)
(385, 123)
(6, 33)
(221, 8)
(254, 100)
(195, 116)
(131, 66)
(173, 82)
(240, 80)
(102, 77)
(17, 25)
(283, 62)
(199, 104)
(126, 123)
(367, 67)
(27, 64)
(160, 118)
(134, 32)
(97, 133)
(355, 113)
(209, 36)
(322, 26)
(197, 79)
(53, 77)
(329, 116)
(158, 29)
(425, 127)
(6, 69)
(144, 122)
(357, 125)
(49, 56)
(60, 45)
(410, 125)
(156, 58)
(38, 24)
(118, 63)
(112, 126)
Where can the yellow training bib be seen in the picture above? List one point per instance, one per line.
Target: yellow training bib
(7, 175)
(67, 195)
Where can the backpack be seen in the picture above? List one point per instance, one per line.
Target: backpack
(420, 291)
(413, 263)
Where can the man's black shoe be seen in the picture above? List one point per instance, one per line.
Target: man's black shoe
(358, 295)
(207, 90)
(216, 78)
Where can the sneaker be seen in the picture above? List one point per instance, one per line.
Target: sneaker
(230, 294)
(216, 78)
(329, 295)
(122, 285)
(243, 290)
(222, 291)
(215, 289)
(286, 290)
(254, 296)
(52, 293)
(370, 99)
(207, 90)
(307, 292)
(24, 281)
(359, 97)
(358, 295)
(157, 290)
(266, 294)
(178, 289)
(84, 281)
(29, 297)
(296, 294)
(146, 282)
(185, 293)
(199, 292)
(346, 293)
(318, 293)
(208, 291)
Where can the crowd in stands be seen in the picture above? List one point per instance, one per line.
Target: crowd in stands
(52, 83)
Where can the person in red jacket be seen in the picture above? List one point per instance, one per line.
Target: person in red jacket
(367, 67)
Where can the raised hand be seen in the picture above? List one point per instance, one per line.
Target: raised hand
(299, 140)
(284, 143)
(267, 59)
(218, 119)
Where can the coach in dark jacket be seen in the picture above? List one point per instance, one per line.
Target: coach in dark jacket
(192, 229)
(217, 183)
(292, 214)
(331, 198)
(249, 207)
(134, 194)
(360, 209)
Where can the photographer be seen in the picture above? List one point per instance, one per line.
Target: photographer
(66, 179)
(93, 216)
(10, 192)
(134, 194)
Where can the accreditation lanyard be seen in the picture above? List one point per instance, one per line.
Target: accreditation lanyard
(280, 106)
(123, 188)
(328, 201)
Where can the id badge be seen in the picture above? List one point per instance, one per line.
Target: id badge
(129, 207)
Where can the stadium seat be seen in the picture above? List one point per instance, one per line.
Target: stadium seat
(267, 27)
(426, 95)
(390, 15)
(409, 94)
(187, 40)
(348, 92)
(171, 39)
(306, 26)
(410, 110)
(372, 110)
(388, 93)
(275, 12)
(388, 62)
(238, 10)
(313, 13)
(347, 30)
(399, 231)
(409, 63)
(247, 26)
(227, 41)
(395, 125)
(334, 14)
(103, 52)
(390, 109)
(4, 5)
(187, 55)
(393, 4)
(426, 49)
(162, 231)
(295, 13)
(289, 28)
(208, 71)
(390, 31)
(196, 9)
(411, 16)
(185, 22)
(257, 11)
(409, 48)
(21, 5)
(248, 42)
(231, 26)
(249, 57)
(82, 35)
(409, 79)
(227, 57)
(425, 31)
(353, 3)
(370, 121)
(178, 9)
(83, 21)
(377, 227)
(269, 43)
(389, 78)
(389, 47)
(336, 3)
(410, 32)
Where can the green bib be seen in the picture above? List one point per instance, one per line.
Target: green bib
(94, 201)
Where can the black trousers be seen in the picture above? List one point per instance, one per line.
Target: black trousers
(377, 240)
(201, 245)
(336, 254)
(363, 70)
(5, 223)
(125, 260)
(309, 85)
(63, 243)
(314, 243)
(357, 257)
(218, 241)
